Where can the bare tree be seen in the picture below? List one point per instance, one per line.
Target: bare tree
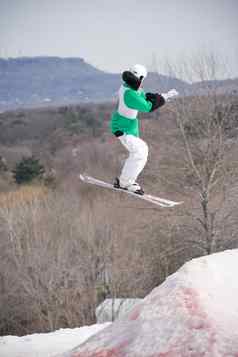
(206, 120)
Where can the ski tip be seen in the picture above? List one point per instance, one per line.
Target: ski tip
(173, 204)
(179, 203)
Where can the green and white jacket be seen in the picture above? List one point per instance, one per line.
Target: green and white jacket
(131, 101)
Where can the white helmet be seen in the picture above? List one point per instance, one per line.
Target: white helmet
(139, 71)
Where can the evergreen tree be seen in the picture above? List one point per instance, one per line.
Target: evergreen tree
(28, 169)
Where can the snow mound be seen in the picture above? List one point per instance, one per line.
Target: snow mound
(46, 344)
(194, 313)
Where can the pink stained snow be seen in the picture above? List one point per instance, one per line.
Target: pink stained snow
(194, 313)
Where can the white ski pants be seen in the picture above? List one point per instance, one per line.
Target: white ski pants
(134, 164)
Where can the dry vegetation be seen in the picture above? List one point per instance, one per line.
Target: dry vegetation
(63, 250)
(62, 253)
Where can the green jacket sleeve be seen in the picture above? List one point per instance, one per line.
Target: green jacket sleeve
(136, 100)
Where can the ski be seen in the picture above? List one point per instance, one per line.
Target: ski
(162, 202)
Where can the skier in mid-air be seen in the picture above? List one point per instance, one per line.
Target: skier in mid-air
(125, 126)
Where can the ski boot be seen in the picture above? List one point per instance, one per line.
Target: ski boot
(135, 187)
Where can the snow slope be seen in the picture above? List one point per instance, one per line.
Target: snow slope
(194, 313)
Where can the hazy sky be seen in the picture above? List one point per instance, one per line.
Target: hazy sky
(112, 35)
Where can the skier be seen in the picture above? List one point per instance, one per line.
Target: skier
(125, 126)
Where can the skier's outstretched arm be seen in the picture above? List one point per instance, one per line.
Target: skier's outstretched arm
(143, 103)
(135, 100)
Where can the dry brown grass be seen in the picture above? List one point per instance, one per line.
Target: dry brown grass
(22, 195)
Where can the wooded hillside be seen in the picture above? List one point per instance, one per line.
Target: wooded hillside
(65, 246)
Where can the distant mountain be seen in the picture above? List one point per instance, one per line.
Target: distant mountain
(36, 81)
(44, 81)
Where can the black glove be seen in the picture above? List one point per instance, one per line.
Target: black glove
(156, 99)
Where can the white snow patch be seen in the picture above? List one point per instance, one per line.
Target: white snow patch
(47, 344)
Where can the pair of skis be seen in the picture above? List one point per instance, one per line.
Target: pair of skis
(162, 202)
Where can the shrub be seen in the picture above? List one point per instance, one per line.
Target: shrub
(28, 169)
